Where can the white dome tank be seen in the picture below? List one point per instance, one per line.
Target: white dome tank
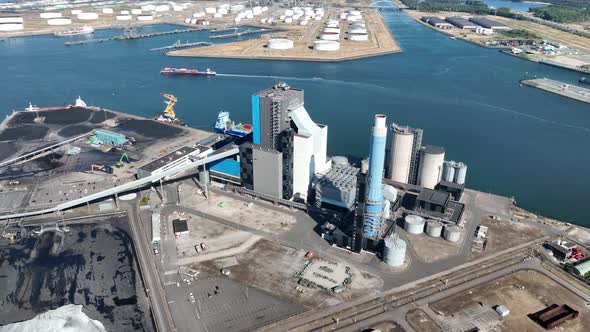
(303, 22)
(402, 141)
(358, 37)
(162, 8)
(452, 233)
(107, 10)
(414, 224)
(359, 30)
(280, 44)
(394, 251)
(59, 21)
(343, 16)
(210, 10)
(217, 15)
(148, 8)
(136, 11)
(11, 26)
(87, 16)
(123, 17)
(434, 228)
(330, 36)
(355, 12)
(124, 12)
(331, 30)
(431, 164)
(76, 11)
(145, 18)
(288, 20)
(50, 15)
(326, 45)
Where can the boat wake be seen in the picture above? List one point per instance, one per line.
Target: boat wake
(309, 79)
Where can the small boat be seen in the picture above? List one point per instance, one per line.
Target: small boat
(453, 37)
(74, 32)
(584, 80)
(184, 71)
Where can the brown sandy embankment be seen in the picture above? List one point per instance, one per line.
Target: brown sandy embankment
(380, 42)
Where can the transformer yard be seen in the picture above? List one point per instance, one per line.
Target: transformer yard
(228, 238)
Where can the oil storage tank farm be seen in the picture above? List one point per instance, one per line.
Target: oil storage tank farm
(431, 166)
(394, 251)
(414, 224)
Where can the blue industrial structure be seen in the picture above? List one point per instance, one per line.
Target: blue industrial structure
(228, 167)
(109, 137)
(256, 119)
(374, 203)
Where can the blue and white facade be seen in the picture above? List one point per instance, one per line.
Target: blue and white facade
(373, 213)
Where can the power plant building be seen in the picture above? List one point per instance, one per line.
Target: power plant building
(285, 137)
(431, 166)
(337, 187)
(405, 148)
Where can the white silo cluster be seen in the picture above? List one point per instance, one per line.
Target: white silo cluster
(280, 44)
(434, 228)
(123, 17)
(331, 31)
(454, 172)
(452, 233)
(394, 251)
(414, 224)
(14, 23)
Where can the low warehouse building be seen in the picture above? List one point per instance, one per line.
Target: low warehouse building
(461, 22)
(437, 22)
(179, 157)
(489, 24)
(180, 227)
(109, 137)
(582, 268)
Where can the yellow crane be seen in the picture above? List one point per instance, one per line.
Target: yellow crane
(170, 102)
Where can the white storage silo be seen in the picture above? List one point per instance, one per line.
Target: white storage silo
(326, 45)
(317, 17)
(123, 17)
(289, 12)
(355, 12)
(50, 15)
(222, 11)
(87, 16)
(431, 165)
(358, 37)
(343, 16)
(303, 22)
(389, 193)
(136, 11)
(162, 8)
(280, 44)
(402, 142)
(452, 233)
(448, 171)
(76, 11)
(124, 12)
(11, 26)
(288, 20)
(460, 173)
(145, 18)
(107, 10)
(357, 30)
(177, 8)
(12, 19)
(331, 30)
(414, 224)
(59, 21)
(330, 36)
(394, 251)
(434, 228)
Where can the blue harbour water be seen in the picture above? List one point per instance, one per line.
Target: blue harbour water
(522, 6)
(517, 141)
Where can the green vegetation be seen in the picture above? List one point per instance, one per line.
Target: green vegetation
(562, 14)
(145, 200)
(469, 6)
(519, 34)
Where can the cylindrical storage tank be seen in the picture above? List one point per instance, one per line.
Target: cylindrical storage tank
(123, 17)
(236, 8)
(49, 15)
(59, 21)
(145, 18)
(355, 12)
(11, 26)
(317, 18)
(148, 8)
(357, 30)
(136, 11)
(237, 20)
(331, 30)
(394, 251)
(250, 16)
(460, 173)
(414, 224)
(187, 20)
(434, 228)
(217, 15)
(402, 142)
(124, 12)
(88, 16)
(296, 17)
(264, 9)
(210, 10)
(288, 20)
(76, 11)
(222, 11)
(358, 37)
(339, 161)
(343, 16)
(452, 233)
(326, 45)
(330, 36)
(177, 8)
(289, 12)
(431, 164)
(448, 171)
(194, 21)
(107, 10)
(280, 44)
(13, 19)
(162, 8)
(353, 18)
(303, 22)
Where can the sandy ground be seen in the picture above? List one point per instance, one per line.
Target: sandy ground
(504, 234)
(420, 321)
(431, 249)
(380, 42)
(539, 292)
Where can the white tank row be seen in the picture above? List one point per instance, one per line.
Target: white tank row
(50, 15)
(59, 21)
(14, 19)
(326, 45)
(280, 44)
(11, 26)
(454, 172)
(415, 225)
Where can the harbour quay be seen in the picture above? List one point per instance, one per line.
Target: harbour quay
(560, 88)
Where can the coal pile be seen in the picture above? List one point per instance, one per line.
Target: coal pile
(25, 132)
(101, 116)
(149, 128)
(75, 130)
(66, 116)
(6, 149)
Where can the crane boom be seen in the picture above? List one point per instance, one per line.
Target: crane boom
(170, 102)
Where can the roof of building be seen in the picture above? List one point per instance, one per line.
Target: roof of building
(433, 149)
(434, 196)
(179, 225)
(556, 247)
(486, 22)
(279, 91)
(171, 157)
(403, 130)
(459, 21)
(582, 267)
(226, 166)
(433, 20)
(451, 185)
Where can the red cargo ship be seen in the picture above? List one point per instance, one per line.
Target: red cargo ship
(184, 71)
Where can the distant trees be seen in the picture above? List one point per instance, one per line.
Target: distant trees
(561, 14)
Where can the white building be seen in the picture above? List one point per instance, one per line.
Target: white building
(177, 158)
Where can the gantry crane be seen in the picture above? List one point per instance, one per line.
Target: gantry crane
(170, 102)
